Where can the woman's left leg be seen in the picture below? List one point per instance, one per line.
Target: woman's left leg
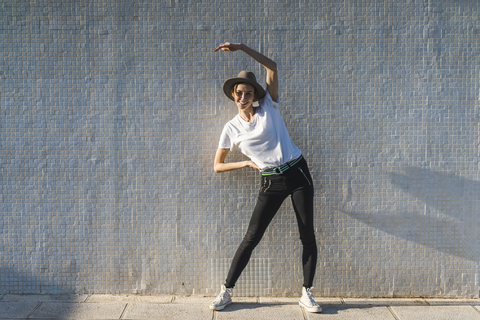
(303, 204)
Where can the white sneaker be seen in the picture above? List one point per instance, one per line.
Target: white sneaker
(308, 302)
(223, 299)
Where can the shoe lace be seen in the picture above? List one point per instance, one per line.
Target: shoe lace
(310, 297)
(220, 297)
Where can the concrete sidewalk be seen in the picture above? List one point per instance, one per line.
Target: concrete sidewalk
(98, 306)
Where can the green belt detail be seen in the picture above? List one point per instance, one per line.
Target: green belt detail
(282, 168)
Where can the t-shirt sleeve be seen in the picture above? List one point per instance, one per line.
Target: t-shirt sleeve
(225, 141)
(267, 101)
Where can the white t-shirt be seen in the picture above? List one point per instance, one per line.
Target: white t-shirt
(265, 140)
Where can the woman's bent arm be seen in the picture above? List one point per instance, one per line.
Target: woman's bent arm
(221, 166)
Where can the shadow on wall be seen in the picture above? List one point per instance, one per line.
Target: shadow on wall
(23, 305)
(453, 227)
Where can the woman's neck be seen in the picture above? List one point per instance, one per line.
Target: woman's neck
(247, 114)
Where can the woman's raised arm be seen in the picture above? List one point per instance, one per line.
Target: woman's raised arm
(269, 64)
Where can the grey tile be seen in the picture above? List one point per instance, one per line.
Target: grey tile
(436, 312)
(455, 302)
(45, 297)
(16, 310)
(169, 311)
(105, 298)
(352, 313)
(278, 300)
(384, 302)
(193, 300)
(245, 311)
(79, 310)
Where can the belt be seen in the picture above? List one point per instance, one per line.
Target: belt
(282, 168)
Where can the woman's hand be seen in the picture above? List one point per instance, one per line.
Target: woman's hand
(253, 165)
(221, 166)
(227, 46)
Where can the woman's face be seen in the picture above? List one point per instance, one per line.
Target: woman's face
(243, 96)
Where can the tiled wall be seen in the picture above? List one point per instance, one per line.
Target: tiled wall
(110, 114)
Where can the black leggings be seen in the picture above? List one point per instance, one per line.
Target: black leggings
(296, 182)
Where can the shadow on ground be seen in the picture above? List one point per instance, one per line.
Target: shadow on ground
(29, 288)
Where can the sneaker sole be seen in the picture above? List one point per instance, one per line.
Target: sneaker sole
(311, 309)
(219, 308)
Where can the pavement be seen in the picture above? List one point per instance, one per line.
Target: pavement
(105, 306)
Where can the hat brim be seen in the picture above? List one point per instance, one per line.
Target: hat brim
(229, 83)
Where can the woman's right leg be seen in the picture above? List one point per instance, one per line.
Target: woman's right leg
(267, 206)
(302, 200)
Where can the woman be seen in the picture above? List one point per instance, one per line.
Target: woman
(260, 134)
